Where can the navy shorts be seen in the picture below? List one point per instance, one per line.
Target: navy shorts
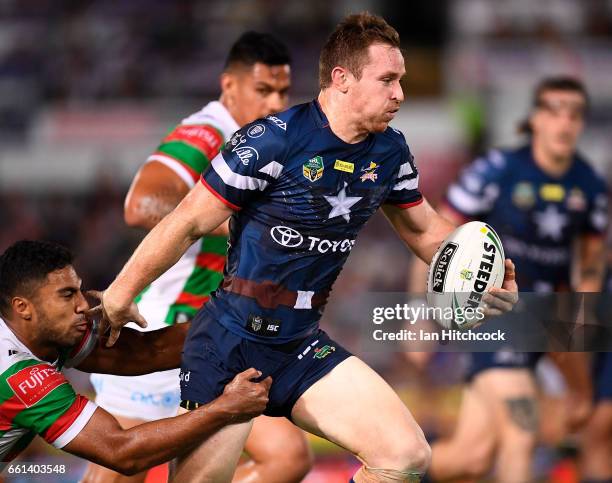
(212, 356)
(502, 359)
(602, 371)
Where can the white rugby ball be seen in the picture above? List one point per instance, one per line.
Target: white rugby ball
(467, 264)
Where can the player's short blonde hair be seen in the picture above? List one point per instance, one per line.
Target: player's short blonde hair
(347, 46)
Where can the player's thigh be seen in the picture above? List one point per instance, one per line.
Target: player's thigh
(512, 397)
(272, 437)
(215, 459)
(355, 408)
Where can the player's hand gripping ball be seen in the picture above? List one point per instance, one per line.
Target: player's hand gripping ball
(468, 264)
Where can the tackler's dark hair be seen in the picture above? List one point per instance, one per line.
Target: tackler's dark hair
(26, 263)
(252, 47)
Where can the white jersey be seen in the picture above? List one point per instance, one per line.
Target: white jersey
(178, 294)
(36, 398)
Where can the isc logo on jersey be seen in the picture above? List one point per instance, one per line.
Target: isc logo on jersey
(468, 264)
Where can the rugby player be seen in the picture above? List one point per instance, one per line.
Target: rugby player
(44, 328)
(541, 198)
(299, 185)
(254, 83)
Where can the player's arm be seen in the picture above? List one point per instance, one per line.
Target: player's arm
(196, 215)
(137, 352)
(155, 191)
(131, 451)
(420, 227)
(591, 263)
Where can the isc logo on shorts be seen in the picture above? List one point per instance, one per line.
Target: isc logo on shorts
(263, 326)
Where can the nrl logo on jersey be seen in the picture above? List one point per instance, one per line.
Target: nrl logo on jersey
(369, 173)
(313, 169)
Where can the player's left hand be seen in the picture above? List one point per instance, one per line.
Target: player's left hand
(500, 300)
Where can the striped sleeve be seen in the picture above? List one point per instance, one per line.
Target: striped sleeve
(405, 192)
(42, 400)
(250, 162)
(87, 344)
(477, 188)
(187, 150)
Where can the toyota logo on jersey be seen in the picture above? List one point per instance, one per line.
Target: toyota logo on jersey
(287, 237)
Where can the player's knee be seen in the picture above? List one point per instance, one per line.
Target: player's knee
(297, 459)
(478, 461)
(413, 454)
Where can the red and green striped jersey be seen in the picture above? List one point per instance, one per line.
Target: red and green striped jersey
(36, 398)
(187, 149)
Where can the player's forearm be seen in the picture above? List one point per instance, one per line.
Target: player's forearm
(161, 248)
(156, 442)
(148, 210)
(425, 243)
(137, 353)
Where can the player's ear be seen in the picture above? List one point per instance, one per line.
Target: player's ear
(340, 78)
(22, 307)
(227, 82)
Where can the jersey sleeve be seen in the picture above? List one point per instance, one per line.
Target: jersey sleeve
(250, 162)
(187, 150)
(42, 400)
(87, 344)
(477, 188)
(597, 217)
(405, 192)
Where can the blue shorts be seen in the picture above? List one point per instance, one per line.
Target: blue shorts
(212, 356)
(502, 359)
(602, 374)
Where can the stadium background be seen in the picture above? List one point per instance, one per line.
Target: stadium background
(87, 89)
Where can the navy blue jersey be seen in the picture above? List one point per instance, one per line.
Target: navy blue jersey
(538, 217)
(301, 196)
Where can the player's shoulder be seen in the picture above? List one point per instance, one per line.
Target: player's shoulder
(393, 137)
(213, 115)
(588, 174)
(296, 119)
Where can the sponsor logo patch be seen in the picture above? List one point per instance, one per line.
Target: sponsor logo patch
(344, 166)
(441, 266)
(552, 192)
(263, 326)
(256, 131)
(33, 383)
(323, 352)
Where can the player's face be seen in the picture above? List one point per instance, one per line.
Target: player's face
(59, 307)
(558, 122)
(257, 91)
(377, 95)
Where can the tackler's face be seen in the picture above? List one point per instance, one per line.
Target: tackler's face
(257, 91)
(59, 308)
(558, 121)
(376, 96)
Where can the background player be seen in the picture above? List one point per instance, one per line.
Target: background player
(316, 174)
(44, 328)
(254, 83)
(542, 199)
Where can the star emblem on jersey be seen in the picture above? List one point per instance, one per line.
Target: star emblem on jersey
(550, 222)
(341, 204)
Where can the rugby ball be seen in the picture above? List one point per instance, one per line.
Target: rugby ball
(467, 265)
